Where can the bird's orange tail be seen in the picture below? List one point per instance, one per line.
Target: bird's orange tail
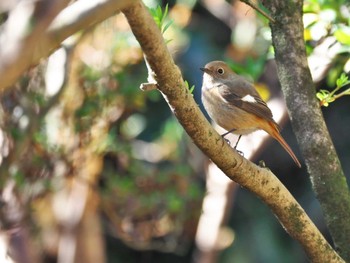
(276, 135)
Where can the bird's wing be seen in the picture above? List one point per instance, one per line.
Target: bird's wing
(244, 96)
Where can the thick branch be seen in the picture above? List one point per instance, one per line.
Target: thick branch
(25, 49)
(326, 173)
(258, 180)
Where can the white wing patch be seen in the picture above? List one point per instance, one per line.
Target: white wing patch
(249, 98)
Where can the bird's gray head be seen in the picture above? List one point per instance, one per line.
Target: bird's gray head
(217, 71)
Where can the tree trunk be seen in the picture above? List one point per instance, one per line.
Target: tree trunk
(327, 177)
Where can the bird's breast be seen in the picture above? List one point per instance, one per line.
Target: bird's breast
(227, 115)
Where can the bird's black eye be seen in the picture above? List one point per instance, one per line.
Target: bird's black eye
(220, 71)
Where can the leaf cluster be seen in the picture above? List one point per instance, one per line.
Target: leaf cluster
(160, 16)
(326, 96)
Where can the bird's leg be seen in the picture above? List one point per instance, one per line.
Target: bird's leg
(228, 132)
(229, 143)
(240, 152)
(223, 135)
(239, 137)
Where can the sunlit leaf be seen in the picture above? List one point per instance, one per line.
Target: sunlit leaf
(166, 26)
(342, 34)
(342, 80)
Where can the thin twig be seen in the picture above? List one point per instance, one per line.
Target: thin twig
(257, 8)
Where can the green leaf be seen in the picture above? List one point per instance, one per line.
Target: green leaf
(319, 96)
(342, 34)
(167, 41)
(192, 89)
(342, 80)
(188, 86)
(159, 17)
(167, 25)
(165, 12)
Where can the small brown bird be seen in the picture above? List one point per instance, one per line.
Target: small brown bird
(234, 104)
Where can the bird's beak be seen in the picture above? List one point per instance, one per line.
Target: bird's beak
(206, 70)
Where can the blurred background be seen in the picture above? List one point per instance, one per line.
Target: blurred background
(95, 170)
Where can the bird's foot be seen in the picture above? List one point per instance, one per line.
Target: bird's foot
(227, 141)
(234, 147)
(239, 152)
(226, 133)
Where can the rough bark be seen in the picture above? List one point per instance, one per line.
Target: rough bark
(327, 177)
(258, 180)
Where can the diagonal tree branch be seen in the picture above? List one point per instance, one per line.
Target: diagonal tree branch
(258, 180)
(327, 176)
(21, 49)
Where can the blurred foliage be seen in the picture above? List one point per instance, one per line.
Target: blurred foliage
(252, 67)
(329, 20)
(150, 194)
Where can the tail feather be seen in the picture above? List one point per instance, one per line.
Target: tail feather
(276, 135)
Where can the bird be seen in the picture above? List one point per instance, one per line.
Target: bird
(234, 104)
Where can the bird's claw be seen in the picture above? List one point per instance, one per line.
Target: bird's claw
(239, 152)
(227, 141)
(235, 147)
